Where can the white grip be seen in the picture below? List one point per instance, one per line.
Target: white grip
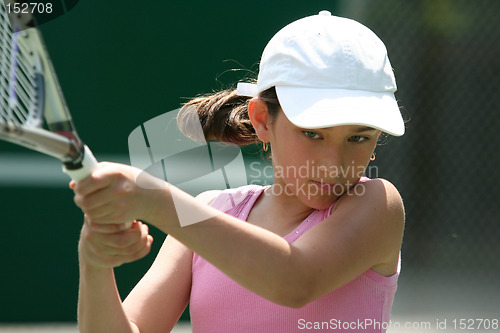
(89, 163)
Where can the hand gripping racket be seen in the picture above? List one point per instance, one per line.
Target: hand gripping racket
(33, 112)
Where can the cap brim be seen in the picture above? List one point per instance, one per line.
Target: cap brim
(319, 108)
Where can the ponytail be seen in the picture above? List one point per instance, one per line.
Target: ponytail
(223, 117)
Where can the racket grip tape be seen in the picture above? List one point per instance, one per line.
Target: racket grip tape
(89, 163)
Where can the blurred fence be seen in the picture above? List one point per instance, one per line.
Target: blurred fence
(446, 57)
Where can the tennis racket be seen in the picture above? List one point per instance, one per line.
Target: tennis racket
(33, 112)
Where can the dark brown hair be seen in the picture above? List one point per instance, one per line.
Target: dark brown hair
(224, 116)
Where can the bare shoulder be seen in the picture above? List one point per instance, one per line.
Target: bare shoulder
(383, 188)
(394, 201)
(364, 231)
(375, 210)
(379, 194)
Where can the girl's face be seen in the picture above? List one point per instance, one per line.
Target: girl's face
(319, 165)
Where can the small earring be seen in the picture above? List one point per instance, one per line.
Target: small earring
(373, 157)
(265, 146)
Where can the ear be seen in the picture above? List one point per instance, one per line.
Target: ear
(259, 116)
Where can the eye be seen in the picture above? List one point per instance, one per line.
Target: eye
(312, 135)
(358, 138)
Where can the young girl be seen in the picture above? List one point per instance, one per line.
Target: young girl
(320, 247)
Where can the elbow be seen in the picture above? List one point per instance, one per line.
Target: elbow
(294, 298)
(296, 288)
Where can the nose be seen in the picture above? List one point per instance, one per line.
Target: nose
(331, 162)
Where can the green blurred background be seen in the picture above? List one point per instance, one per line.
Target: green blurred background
(121, 63)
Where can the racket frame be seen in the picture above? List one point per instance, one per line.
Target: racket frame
(61, 140)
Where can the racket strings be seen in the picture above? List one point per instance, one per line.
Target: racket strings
(5, 55)
(18, 86)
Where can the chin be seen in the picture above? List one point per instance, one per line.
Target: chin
(320, 202)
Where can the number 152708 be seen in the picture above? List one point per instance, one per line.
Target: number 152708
(29, 8)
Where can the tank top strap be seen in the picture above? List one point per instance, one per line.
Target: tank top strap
(238, 201)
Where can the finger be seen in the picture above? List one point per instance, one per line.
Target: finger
(142, 252)
(102, 210)
(110, 228)
(104, 256)
(133, 249)
(119, 241)
(93, 200)
(111, 214)
(94, 254)
(100, 178)
(107, 215)
(121, 244)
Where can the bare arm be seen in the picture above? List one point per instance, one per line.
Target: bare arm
(363, 232)
(154, 305)
(158, 300)
(99, 303)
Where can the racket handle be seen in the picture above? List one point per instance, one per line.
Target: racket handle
(89, 163)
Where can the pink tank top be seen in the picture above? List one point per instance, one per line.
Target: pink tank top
(220, 305)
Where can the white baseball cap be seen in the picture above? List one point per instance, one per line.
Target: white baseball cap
(329, 71)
